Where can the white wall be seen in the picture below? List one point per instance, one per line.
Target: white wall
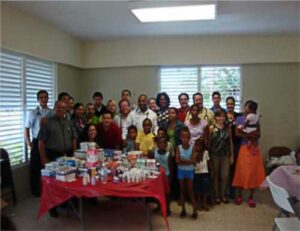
(191, 50)
(28, 35)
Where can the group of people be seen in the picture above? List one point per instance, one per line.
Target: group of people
(208, 152)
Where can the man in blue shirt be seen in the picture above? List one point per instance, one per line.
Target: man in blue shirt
(216, 98)
(32, 128)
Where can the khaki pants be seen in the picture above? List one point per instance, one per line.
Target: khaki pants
(220, 167)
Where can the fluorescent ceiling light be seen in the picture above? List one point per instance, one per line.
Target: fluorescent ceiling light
(176, 13)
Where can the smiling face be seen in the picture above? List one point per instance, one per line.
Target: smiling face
(230, 104)
(124, 108)
(92, 132)
(126, 95)
(106, 119)
(142, 102)
(198, 100)
(90, 110)
(43, 99)
(98, 101)
(183, 100)
(79, 112)
(152, 104)
(60, 109)
(163, 102)
(220, 119)
(216, 100)
(147, 126)
(112, 107)
(195, 111)
(185, 137)
(172, 114)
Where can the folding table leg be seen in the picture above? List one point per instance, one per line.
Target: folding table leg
(148, 213)
(81, 213)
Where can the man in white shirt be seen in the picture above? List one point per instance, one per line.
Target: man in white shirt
(137, 116)
(32, 128)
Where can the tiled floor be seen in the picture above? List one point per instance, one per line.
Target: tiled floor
(128, 215)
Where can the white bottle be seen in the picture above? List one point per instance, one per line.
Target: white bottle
(104, 174)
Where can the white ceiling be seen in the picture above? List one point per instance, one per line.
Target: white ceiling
(91, 21)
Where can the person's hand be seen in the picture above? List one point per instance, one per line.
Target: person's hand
(30, 145)
(125, 143)
(44, 161)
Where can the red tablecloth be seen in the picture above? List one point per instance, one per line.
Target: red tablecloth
(56, 192)
(287, 177)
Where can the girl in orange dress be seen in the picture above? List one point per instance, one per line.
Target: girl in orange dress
(249, 172)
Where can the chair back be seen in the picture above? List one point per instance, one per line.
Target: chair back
(280, 196)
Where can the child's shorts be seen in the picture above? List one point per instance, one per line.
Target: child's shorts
(185, 174)
(201, 183)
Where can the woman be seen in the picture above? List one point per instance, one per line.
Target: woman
(152, 104)
(198, 127)
(221, 155)
(231, 116)
(91, 118)
(79, 122)
(163, 103)
(112, 107)
(91, 134)
(249, 172)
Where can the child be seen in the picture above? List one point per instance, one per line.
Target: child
(161, 132)
(131, 137)
(201, 177)
(251, 124)
(164, 158)
(145, 139)
(185, 174)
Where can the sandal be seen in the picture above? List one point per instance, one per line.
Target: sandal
(225, 200)
(238, 200)
(251, 203)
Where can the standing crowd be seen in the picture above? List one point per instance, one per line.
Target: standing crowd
(209, 155)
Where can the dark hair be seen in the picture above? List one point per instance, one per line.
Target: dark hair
(194, 105)
(201, 140)
(230, 98)
(62, 95)
(197, 93)
(162, 129)
(77, 105)
(161, 139)
(97, 94)
(216, 93)
(252, 105)
(174, 108)
(147, 119)
(107, 112)
(181, 94)
(41, 92)
(159, 95)
(132, 127)
(126, 90)
(185, 129)
(219, 112)
(144, 96)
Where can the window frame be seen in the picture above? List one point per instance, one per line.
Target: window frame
(24, 107)
(200, 77)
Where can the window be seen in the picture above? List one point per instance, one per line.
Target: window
(225, 79)
(21, 78)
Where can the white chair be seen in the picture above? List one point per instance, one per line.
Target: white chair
(280, 197)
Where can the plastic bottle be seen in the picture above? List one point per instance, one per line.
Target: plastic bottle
(93, 176)
(104, 174)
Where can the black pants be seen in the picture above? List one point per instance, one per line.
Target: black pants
(35, 169)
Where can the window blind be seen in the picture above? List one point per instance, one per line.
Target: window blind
(177, 80)
(11, 107)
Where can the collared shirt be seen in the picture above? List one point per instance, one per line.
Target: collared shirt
(182, 113)
(204, 114)
(110, 138)
(146, 141)
(100, 110)
(34, 117)
(120, 120)
(136, 118)
(58, 135)
(213, 109)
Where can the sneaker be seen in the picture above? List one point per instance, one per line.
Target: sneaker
(251, 203)
(238, 200)
(183, 214)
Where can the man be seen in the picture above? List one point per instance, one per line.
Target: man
(204, 113)
(65, 97)
(108, 133)
(32, 128)
(126, 95)
(99, 107)
(137, 116)
(216, 98)
(183, 99)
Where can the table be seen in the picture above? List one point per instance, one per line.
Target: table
(287, 177)
(56, 192)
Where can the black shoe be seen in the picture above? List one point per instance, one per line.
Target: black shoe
(183, 214)
(195, 215)
(168, 212)
(53, 213)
